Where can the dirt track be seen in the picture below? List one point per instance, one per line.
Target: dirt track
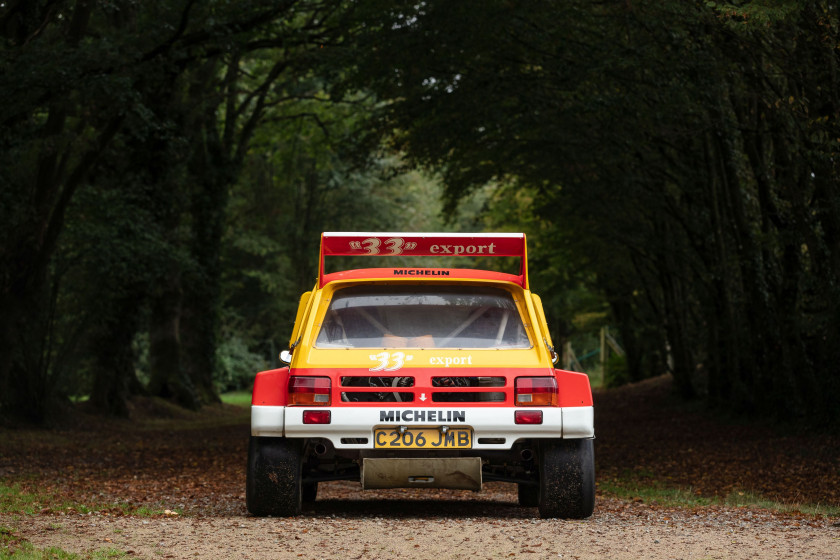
(492, 527)
(200, 471)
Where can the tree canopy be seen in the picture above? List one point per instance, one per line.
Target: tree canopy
(167, 167)
(684, 153)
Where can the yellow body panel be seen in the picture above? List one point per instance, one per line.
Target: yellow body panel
(303, 308)
(414, 355)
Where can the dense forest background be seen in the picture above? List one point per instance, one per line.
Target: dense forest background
(167, 166)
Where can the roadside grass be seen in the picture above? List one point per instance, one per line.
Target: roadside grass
(645, 488)
(16, 501)
(237, 398)
(739, 498)
(26, 492)
(653, 493)
(13, 547)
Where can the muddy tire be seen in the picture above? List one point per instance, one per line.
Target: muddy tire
(273, 480)
(567, 479)
(529, 495)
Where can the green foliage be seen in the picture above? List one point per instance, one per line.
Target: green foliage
(168, 168)
(236, 364)
(616, 373)
(124, 126)
(237, 398)
(295, 186)
(682, 155)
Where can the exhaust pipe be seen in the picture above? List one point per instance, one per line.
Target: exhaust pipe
(527, 455)
(320, 449)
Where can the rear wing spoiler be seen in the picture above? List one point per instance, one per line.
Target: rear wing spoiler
(335, 244)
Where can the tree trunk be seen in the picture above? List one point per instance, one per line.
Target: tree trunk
(114, 379)
(168, 378)
(201, 305)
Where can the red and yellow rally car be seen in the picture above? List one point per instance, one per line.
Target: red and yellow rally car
(410, 377)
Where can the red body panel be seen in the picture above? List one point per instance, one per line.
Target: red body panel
(418, 244)
(271, 387)
(422, 274)
(573, 388)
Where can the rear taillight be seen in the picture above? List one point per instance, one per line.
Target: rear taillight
(535, 391)
(527, 417)
(309, 390)
(317, 417)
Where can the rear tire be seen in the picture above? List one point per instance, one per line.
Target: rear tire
(273, 480)
(567, 479)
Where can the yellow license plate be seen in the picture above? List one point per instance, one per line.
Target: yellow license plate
(422, 438)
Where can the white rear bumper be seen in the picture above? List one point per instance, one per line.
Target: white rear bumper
(493, 427)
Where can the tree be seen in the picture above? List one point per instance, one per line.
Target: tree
(49, 145)
(80, 78)
(298, 181)
(683, 152)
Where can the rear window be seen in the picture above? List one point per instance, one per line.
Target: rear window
(422, 317)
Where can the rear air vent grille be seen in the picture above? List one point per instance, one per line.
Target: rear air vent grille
(369, 388)
(468, 396)
(377, 396)
(468, 381)
(377, 381)
(459, 384)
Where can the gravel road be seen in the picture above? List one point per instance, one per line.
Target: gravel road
(345, 523)
(195, 463)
